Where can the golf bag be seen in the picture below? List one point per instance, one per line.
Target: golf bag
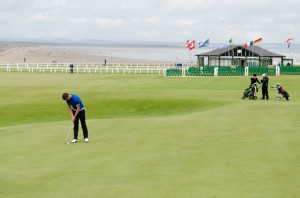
(282, 93)
(250, 92)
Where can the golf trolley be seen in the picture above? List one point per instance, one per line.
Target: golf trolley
(282, 93)
(250, 92)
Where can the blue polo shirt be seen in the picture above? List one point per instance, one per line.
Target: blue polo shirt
(74, 101)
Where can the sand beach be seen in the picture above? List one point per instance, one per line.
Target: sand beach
(62, 54)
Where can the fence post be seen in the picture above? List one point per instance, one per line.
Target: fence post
(277, 71)
(216, 71)
(246, 71)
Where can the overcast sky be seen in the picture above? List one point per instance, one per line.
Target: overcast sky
(151, 20)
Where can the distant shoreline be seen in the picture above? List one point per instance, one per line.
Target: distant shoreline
(59, 54)
(31, 52)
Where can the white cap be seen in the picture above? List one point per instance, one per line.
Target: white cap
(264, 75)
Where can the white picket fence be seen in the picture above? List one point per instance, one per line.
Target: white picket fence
(116, 68)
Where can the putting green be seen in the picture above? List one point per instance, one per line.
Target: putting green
(204, 141)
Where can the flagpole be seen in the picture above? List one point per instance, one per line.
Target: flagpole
(186, 45)
(189, 57)
(262, 52)
(251, 48)
(195, 50)
(291, 51)
(229, 54)
(182, 66)
(209, 55)
(293, 48)
(183, 72)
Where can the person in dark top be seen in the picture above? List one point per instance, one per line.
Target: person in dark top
(71, 68)
(253, 84)
(254, 79)
(264, 87)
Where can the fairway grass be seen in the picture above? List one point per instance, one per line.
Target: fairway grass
(150, 136)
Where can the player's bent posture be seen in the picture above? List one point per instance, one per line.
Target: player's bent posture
(77, 112)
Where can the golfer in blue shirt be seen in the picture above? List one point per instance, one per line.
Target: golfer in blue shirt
(77, 111)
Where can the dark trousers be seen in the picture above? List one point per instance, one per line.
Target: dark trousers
(81, 117)
(265, 93)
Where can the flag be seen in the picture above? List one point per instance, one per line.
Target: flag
(185, 44)
(258, 41)
(227, 44)
(248, 44)
(289, 42)
(191, 45)
(203, 44)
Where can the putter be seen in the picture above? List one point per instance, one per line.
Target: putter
(66, 142)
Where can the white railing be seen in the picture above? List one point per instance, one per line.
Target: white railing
(113, 68)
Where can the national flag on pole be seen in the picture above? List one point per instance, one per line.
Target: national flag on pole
(191, 45)
(258, 41)
(248, 44)
(227, 44)
(203, 44)
(289, 41)
(185, 44)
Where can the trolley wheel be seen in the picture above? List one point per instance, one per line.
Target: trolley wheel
(243, 97)
(254, 98)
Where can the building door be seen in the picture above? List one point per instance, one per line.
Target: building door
(242, 62)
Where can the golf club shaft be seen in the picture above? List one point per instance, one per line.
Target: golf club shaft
(69, 133)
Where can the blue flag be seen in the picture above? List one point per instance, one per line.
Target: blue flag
(203, 44)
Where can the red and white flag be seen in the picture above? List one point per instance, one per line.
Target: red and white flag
(289, 40)
(191, 45)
